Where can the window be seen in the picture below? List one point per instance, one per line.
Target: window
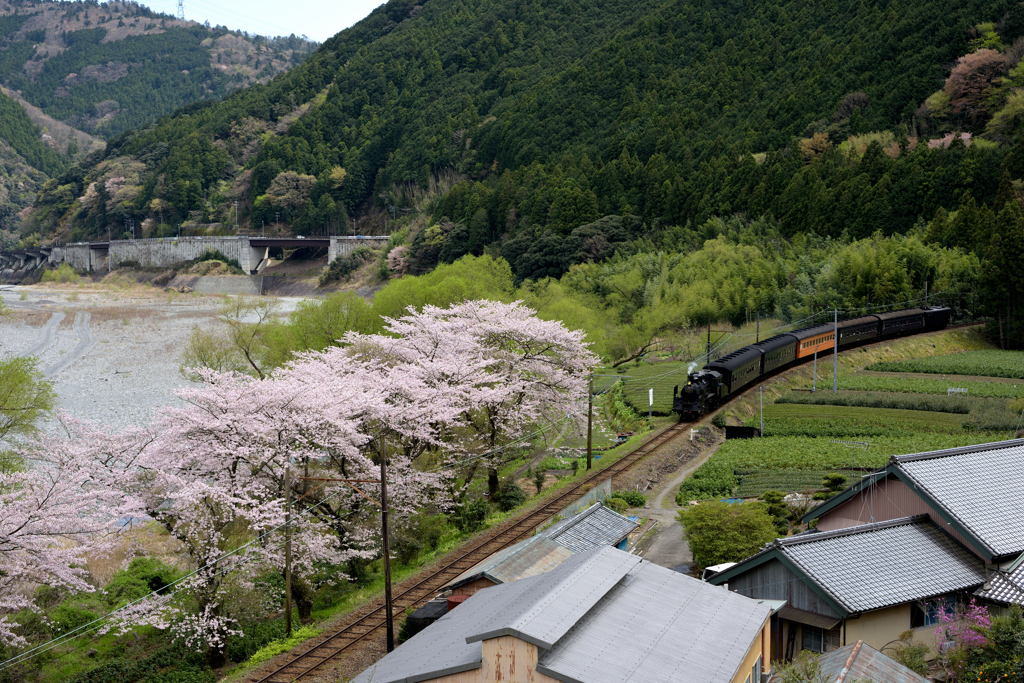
(819, 640)
(927, 613)
(756, 673)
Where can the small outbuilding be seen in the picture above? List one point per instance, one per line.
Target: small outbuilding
(861, 662)
(602, 616)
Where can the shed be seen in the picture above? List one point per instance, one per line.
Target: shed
(861, 662)
(597, 525)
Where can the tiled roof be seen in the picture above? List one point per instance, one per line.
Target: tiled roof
(979, 486)
(861, 662)
(877, 565)
(1005, 586)
(597, 525)
(533, 556)
(602, 616)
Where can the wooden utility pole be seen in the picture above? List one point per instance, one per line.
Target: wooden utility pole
(590, 422)
(708, 361)
(387, 549)
(288, 549)
(757, 337)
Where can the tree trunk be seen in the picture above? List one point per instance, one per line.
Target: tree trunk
(1002, 344)
(492, 482)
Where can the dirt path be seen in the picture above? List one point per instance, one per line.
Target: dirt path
(666, 547)
(48, 335)
(86, 340)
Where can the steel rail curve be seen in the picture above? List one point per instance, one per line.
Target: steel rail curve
(507, 534)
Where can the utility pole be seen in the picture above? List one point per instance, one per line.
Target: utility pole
(387, 549)
(277, 220)
(288, 549)
(814, 382)
(236, 215)
(708, 361)
(757, 336)
(835, 355)
(590, 423)
(760, 396)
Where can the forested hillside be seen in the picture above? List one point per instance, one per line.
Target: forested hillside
(106, 68)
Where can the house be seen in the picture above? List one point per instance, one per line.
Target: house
(973, 493)
(593, 527)
(861, 662)
(601, 616)
(869, 582)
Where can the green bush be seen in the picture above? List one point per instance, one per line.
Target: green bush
(538, 479)
(617, 505)
(343, 266)
(718, 532)
(405, 547)
(174, 664)
(143, 576)
(509, 496)
(835, 481)
(470, 517)
(68, 617)
(254, 636)
(64, 274)
(874, 399)
(218, 255)
(634, 498)
(719, 420)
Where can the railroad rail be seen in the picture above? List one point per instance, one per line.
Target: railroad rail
(512, 531)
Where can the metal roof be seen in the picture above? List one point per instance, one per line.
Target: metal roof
(533, 556)
(861, 662)
(979, 486)
(597, 525)
(872, 566)
(602, 616)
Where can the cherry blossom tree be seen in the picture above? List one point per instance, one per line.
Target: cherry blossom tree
(56, 509)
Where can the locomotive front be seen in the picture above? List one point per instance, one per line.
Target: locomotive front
(698, 396)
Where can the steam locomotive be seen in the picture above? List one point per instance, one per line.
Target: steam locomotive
(708, 388)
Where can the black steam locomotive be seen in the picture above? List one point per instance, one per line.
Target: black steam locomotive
(707, 389)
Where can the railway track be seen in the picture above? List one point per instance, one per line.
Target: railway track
(363, 625)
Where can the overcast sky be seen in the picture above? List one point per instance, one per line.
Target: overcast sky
(317, 19)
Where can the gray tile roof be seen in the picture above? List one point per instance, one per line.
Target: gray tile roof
(877, 565)
(1006, 586)
(979, 486)
(602, 616)
(597, 525)
(868, 665)
(533, 556)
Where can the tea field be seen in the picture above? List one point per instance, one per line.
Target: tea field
(882, 405)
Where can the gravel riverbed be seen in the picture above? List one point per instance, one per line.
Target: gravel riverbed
(113, 357)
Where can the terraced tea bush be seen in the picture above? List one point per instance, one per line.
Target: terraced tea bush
(843, 421)
(802, 452)
(876, 399)
(989, 363)
(713, 479)
(754, 482)
(915, 385)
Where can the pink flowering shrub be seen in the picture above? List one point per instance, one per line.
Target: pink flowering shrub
(961, 631)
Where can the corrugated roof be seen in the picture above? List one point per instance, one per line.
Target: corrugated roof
(602, 616)
(877, 565)
(861, 662)
(979, 486)
(597, 525)
(659, 625)
(533, 556)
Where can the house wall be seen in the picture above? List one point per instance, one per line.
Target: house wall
(761, 647)
(473, 586)
(773, 581)
(879, 627)
(506, 659)
(886, 500)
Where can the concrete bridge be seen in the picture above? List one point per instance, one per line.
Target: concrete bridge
(252, 253)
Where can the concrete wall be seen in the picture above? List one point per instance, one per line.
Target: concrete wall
(170, 251)
(75, 255)
(218, 284)
(343, 246)
(879, 627)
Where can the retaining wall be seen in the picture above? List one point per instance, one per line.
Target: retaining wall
(343, 246)
(170, 251)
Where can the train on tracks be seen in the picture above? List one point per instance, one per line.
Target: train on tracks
(724, 378)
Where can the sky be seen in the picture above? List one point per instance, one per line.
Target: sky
(316, 19)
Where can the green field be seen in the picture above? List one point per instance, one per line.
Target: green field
(879, 399)
(914, 385)
(845, 422)
(990, 363)
(752, 483)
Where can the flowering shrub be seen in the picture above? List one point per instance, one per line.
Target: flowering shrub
(961, 631)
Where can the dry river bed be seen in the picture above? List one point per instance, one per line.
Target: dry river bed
(113, 356)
